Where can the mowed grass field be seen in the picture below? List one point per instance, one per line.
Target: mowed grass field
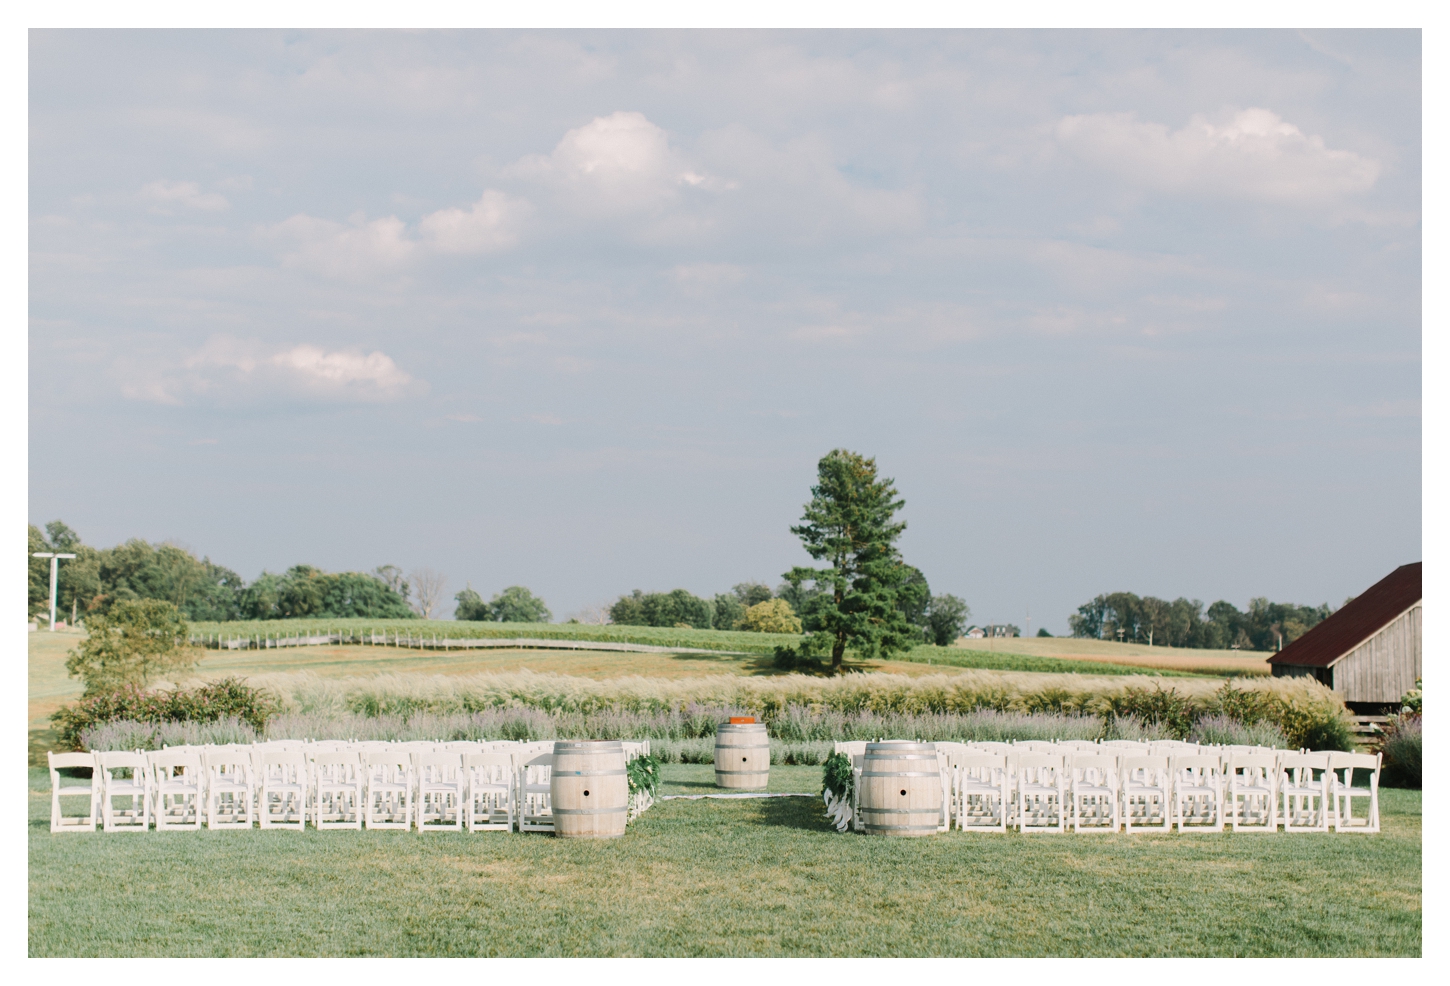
(724, 878)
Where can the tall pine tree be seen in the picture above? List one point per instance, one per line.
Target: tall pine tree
(849, 525)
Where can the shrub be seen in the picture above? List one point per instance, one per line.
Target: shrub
(771, 616)
(1222, 730)
(1413, 701)
(1401, 747)
(128, 734)
(1326, 734)
(230, 698)
(128, 647)
(1167, 708)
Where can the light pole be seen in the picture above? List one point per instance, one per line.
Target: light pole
(54, 570)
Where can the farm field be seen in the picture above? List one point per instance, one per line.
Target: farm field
(1214, 662)
(709, 878)
(50, 687)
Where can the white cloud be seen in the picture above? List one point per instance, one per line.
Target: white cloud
(616, 164)
(231, 372)
(185, 193)
(490, 224)
(348, 374)
(1253, 155)
(353, 251)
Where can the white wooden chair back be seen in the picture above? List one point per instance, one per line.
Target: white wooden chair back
(1342, 767)
(492, 803)
(1252, 800)
(1304, 783)
(1147, 793)
(132, 787)
(73, 789)
(1198, 792)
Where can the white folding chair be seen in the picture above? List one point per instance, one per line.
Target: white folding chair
(1037, 746)
(1094, 790)
(535, 810)
(491, 800)
(1198, 796)
(1041, 793)
(73, 788)
(1342, 792)
(282, 783)
(984, 792)
(1147, 794)
(440, 791)
(1306, 800)
(125, 777)
(1253, 792)
(337, 790)
(230, 789)
(851, 748)
(388, 794)
(179, 784)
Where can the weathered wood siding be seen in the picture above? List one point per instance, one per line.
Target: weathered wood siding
(1386, 665)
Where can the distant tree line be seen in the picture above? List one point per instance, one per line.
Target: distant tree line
(99, 578)
(1185, 623)
(755, 606)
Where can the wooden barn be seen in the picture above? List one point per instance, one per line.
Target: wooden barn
(1369, 651)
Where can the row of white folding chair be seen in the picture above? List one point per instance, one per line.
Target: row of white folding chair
(1203, 792)
(1047, 792)
(283, 788)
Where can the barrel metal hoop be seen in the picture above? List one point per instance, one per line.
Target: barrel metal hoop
(589, 811)
(901, 828)
(755, 773)
(901, 811)
(590, 773)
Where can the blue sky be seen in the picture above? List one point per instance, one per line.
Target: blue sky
(581, 310)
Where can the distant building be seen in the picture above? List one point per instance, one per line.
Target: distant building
(992, 630)
(1368, 651)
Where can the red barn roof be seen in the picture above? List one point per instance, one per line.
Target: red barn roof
(1359, 620)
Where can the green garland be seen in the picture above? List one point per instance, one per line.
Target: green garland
(837, 778)
(644, 775)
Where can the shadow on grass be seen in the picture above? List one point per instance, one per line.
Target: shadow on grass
(41, 741)
(693, 787)
(807, 814)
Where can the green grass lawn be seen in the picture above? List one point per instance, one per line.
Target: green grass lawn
(764, 877)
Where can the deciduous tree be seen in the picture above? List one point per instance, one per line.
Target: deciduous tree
(946, 619)
(138, 641)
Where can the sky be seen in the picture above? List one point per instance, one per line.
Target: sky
(581, 311)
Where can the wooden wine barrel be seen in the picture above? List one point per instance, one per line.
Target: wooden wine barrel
(742, 756)
(588, 789)
(900, 789)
